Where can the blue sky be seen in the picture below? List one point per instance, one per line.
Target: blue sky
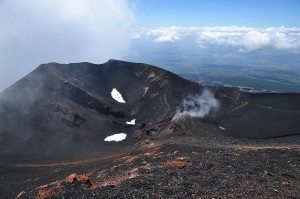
(255, 13)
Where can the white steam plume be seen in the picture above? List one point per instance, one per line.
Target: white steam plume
(198, 106)
(40, 31)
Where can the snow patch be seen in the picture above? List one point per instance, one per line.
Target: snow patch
(117, 95)
(132, 122)
(222, 128)
(116, 137)
(151, 75)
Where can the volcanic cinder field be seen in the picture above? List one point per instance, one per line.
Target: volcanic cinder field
(125, 130)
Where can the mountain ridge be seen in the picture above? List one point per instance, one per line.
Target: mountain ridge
(63, 104)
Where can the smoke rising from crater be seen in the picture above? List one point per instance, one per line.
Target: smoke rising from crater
(198, 106)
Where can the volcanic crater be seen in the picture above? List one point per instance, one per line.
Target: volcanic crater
(54, 125)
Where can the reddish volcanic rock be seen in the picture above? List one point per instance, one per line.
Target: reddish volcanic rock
(84, 179)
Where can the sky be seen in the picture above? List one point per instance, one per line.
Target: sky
(33, 32)
(256, 13)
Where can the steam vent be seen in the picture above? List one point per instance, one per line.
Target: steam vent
(124, 130)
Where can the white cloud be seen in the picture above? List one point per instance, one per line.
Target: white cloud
(165, 35)
(35, 32)
(254, 40)
(244, 38)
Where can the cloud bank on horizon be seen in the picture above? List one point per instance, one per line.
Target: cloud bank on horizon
(246, 39)
(35, 32)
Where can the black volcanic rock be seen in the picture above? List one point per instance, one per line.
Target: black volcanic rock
(68, 108)
(53, 123)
